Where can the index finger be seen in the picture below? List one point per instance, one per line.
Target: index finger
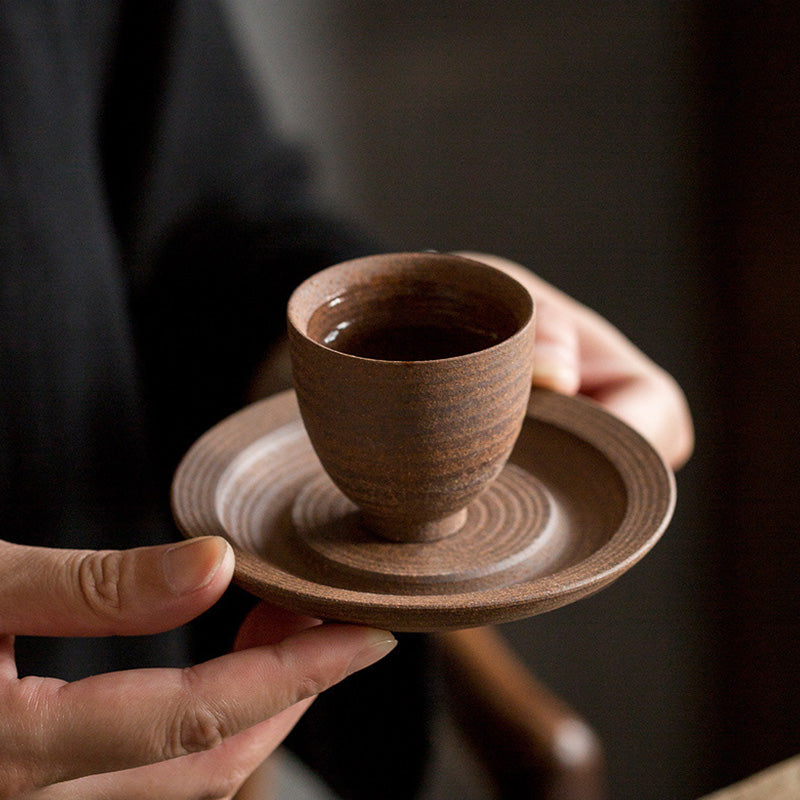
(127, 719)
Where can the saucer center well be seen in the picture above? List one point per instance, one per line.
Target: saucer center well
(509, 526)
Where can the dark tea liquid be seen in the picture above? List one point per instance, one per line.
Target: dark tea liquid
(417, 321)
(409, 341)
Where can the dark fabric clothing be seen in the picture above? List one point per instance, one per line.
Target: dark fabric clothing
(152, 226)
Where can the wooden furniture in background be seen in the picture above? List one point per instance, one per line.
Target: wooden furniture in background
(530, 742)
(779, 782)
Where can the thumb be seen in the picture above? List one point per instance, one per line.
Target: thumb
(49, 591)
(556, 355)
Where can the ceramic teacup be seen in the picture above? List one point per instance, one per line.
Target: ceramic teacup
(412, 373)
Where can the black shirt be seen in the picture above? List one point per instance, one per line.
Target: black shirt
(152, 225)
(151, 228)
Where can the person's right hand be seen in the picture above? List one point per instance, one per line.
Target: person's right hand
(167, 733)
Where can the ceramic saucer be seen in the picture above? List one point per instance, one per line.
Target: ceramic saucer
(582, 499)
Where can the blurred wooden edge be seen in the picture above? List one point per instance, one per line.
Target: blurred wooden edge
(779, 782)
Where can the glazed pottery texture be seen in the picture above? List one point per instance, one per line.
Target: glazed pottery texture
(412, 373)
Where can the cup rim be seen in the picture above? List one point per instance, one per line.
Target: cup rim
(298, 314)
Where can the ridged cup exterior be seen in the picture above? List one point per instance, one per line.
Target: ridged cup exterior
(411, 443)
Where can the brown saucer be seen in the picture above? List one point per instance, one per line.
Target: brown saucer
(582, 499)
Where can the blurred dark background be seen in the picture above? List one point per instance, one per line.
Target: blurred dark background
(643, 157)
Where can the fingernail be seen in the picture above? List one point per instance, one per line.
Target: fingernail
(191, 565)
(381, 643)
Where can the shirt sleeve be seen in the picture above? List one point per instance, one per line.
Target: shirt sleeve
(215, 213)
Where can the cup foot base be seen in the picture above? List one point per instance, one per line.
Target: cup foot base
(404, 531)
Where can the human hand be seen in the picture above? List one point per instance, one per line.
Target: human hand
(167, 733)
(577, 350)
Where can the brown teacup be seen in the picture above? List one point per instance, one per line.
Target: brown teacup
(412, 372)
